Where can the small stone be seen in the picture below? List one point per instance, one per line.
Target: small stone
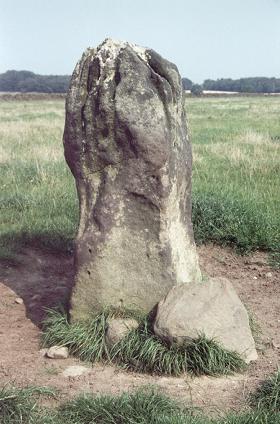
(75, 371)
(19, 301)
(118, 328)
(255, 278)
(58, 352)
(269, 274)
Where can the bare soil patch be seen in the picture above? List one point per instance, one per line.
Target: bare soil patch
(44, 280)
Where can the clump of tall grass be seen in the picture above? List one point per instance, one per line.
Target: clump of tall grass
(19, 405)
(267, 396)
(85, 339)
(252, 417)
(145, 406)
(141, 350)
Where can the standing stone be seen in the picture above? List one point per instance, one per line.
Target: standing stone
(127, 145)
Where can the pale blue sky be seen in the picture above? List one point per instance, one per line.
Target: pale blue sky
(205, 38)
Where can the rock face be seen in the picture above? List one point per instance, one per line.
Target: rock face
(211, 308)
(118, 328)
(127, 145)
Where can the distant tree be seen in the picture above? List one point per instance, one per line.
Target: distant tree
(187, 84)
(209, 84)
(33, 84)
(10, 79)
(196, 90)
(26, 81)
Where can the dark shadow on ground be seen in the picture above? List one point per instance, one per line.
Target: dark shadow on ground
(41, 278)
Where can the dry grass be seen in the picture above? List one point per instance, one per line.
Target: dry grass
(39, 204)
(236, 171)
(254, 151)
(236, 166)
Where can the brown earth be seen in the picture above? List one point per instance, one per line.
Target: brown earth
(44, 280)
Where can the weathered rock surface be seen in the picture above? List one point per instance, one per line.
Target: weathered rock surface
(118, 328)
(57, 352)
(126, 143)
(211, 308)
(75, 371)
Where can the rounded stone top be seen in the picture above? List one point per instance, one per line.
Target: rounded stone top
(115, 45)
(110, 48)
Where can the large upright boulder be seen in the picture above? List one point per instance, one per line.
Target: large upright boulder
(127, 145)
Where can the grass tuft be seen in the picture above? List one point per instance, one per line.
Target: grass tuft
(252, 417)
(19, 406)
(141, 350)
(145, 406)
(85, 340)
(267, 395)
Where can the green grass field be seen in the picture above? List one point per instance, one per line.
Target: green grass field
(236, 174)
(236, 193)
(236, 145)
(38, 197)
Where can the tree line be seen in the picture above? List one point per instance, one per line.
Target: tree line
(26, 81)
(242, 85)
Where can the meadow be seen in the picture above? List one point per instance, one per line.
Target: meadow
(236, 166)
(236, 144)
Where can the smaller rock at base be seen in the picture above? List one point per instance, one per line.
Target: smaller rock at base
(19, 300)
(212, 308)
(75, 371)
(118, 328)
(57, 352)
